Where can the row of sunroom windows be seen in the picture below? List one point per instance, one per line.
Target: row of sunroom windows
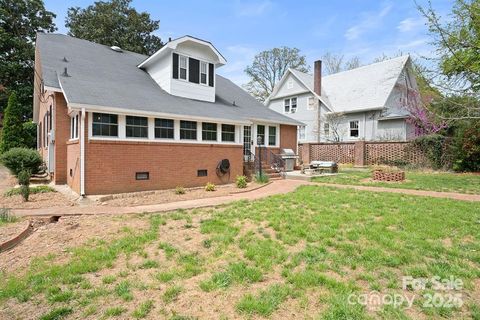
(106, 125)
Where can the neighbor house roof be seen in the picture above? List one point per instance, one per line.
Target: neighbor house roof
(104, 79)
(364, 88)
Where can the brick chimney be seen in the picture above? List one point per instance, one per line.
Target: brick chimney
(317, 77)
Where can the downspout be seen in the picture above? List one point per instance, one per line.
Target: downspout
(82, 154)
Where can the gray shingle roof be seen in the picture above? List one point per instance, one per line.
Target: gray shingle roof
(99, 76)
(366, 87)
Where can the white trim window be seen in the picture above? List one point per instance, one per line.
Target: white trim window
(301, 133)
(311, 103)
(326, 129)
(261, 133)
(228, 133)
(209, 131)
(104, 125)
(182, 67)
(203, 72)
(188, 130)
(354, 131)
(136, 127)
(290, 105)
(272, 136)
(164, 128)
(74, 127)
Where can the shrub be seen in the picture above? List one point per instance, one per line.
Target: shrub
(433, 146)
(210, 187)
(261, 178)
(241, 182)
(33, 190)
(466, 147)
(6, 216)
(12, 135)
(24, 181)
(179, 190)
(21, 159)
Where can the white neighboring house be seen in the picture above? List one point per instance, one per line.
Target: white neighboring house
(367, 103)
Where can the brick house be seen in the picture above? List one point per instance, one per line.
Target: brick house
(112, 121)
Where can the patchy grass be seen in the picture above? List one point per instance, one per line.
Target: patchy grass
(33, 190)
(299, 255)
(432, 181)
(6, 217)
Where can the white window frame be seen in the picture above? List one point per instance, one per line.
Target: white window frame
(301, 132)
(357, 128)
(310, 103)
(203, 63)
(326, 129)
(290, 105)
(74, 126)
(180, 57)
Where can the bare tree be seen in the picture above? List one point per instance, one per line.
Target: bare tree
(335, 63)
(336, 128)
(268, 68)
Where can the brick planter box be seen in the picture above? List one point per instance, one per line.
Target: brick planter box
(379, 175)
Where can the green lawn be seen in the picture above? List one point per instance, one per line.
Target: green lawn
(299, 255)
(434, 181)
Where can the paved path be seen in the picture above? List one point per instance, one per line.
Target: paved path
(434, 194)
(276, 187)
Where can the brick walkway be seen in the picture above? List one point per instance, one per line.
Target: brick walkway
(424, 193)
(276, 187)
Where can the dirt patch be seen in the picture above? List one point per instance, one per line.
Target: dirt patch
(55, 238)
(10, 230)
(36, 201)
(166, 196)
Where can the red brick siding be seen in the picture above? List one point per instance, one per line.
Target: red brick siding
(73, 164)
(62, 135)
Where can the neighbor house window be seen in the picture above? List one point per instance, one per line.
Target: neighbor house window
(203, 72)
(209, 131)
(261, 133)
(286, 105)
(228, 132)
(272, 136)
(182, 67)
(354, 128)
(137, 127)
(164, 128)
(301, 133)
(74, 127)
(188, 130)
(326, 129)
(311, 103)
(290, 105)
(105, 124)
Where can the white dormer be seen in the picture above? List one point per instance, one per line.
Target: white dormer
(186, 67)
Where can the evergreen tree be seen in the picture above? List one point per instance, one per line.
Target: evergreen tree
(12, 135)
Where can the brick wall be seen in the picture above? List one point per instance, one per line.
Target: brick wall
(111, 165)
(288, 137)
(62, 135)
(363, 153)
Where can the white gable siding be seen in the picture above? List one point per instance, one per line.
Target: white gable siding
(296, 87)
(161, 72)
(389, 130)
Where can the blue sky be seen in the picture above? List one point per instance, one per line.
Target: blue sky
(242, 28)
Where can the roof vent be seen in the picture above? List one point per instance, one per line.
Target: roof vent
(116, 48)
(65, 73)
(65, 59)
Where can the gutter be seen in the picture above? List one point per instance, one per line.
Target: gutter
(82, 154)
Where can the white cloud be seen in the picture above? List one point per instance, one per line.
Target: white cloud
(252, 8)
(409, 24)
(414, 43)
(369, 20)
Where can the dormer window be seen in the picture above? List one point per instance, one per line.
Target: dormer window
(182, 67)
(203, 72)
